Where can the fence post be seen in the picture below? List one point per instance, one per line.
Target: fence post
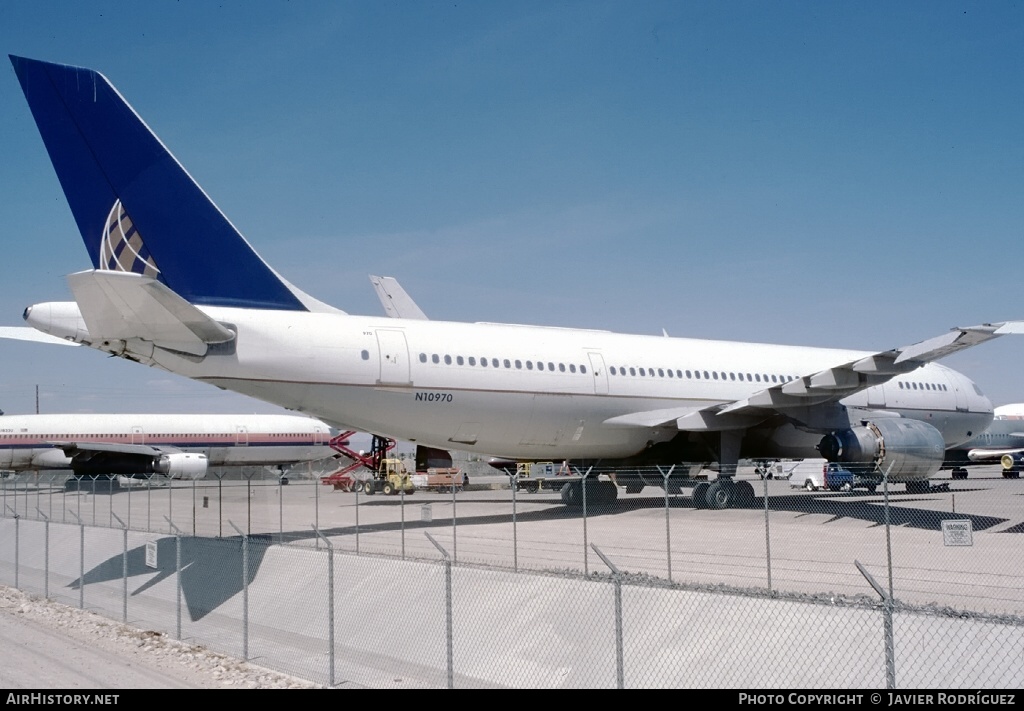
(619, 655)
(81, 560)
(177, 574)
(46, 552)
(455, 540)
(515, 532)
(280, 508)
(149, 502)
(357, 517)
(767, 537)
(583, 495)
(16, 546)
(245, 590)
(447, 609)
(888, 527)
(402, 494)
(124, 568)
(668, 534)
(330, 603)
(887, 609)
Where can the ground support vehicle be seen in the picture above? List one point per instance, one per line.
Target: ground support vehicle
(548, 476)
(387, 476)
(538, 476)
(391, 477)
(832, 476)
(441, 479)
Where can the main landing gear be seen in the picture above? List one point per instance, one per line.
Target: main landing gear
(597, 492)
(723, 493)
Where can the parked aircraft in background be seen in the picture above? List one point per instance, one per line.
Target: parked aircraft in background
(1002, 442)
(176, 446)
(174, 285)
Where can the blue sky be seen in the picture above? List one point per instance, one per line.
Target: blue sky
(833, 174)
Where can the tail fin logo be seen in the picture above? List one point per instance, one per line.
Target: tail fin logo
(121, 247)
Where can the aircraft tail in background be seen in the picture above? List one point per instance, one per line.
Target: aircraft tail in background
(137, 208)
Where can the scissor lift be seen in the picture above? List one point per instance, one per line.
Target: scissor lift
(342, 480)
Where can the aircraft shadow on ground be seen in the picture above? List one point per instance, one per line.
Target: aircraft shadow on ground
(211, 569)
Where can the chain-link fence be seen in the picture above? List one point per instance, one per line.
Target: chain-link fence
(501, 586)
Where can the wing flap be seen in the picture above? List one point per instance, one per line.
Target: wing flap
(125, 305)
(650, 418)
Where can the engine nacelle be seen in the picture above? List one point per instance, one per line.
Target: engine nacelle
(913, 449)
(182, 465)
(1012, 462)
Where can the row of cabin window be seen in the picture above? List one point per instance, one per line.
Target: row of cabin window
(495, 363)
(922, 386)
(137, 434)
(701, 374)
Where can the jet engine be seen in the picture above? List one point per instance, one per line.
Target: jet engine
(181, 465)
(175, 465)
(909, 450)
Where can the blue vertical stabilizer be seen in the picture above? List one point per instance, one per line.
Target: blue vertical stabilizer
(138, 210)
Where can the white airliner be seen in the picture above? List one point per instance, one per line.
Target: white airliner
(176, 446)
(1002, 441)
(175, 286)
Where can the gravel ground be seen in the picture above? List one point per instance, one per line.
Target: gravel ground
(48, 645)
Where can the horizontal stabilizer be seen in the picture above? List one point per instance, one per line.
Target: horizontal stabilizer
(24, 333)
(125, 305)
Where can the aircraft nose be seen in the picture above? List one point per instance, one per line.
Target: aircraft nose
(26, 312)
(987, 404)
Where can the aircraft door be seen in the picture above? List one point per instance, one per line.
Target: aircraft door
(394, 358)
(138, 435)
(599, 373)
(241, 436)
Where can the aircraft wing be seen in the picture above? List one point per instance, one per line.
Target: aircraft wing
(74, 449)
(825, 386)
(125, 305)
(26, 333)
(396, 302)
